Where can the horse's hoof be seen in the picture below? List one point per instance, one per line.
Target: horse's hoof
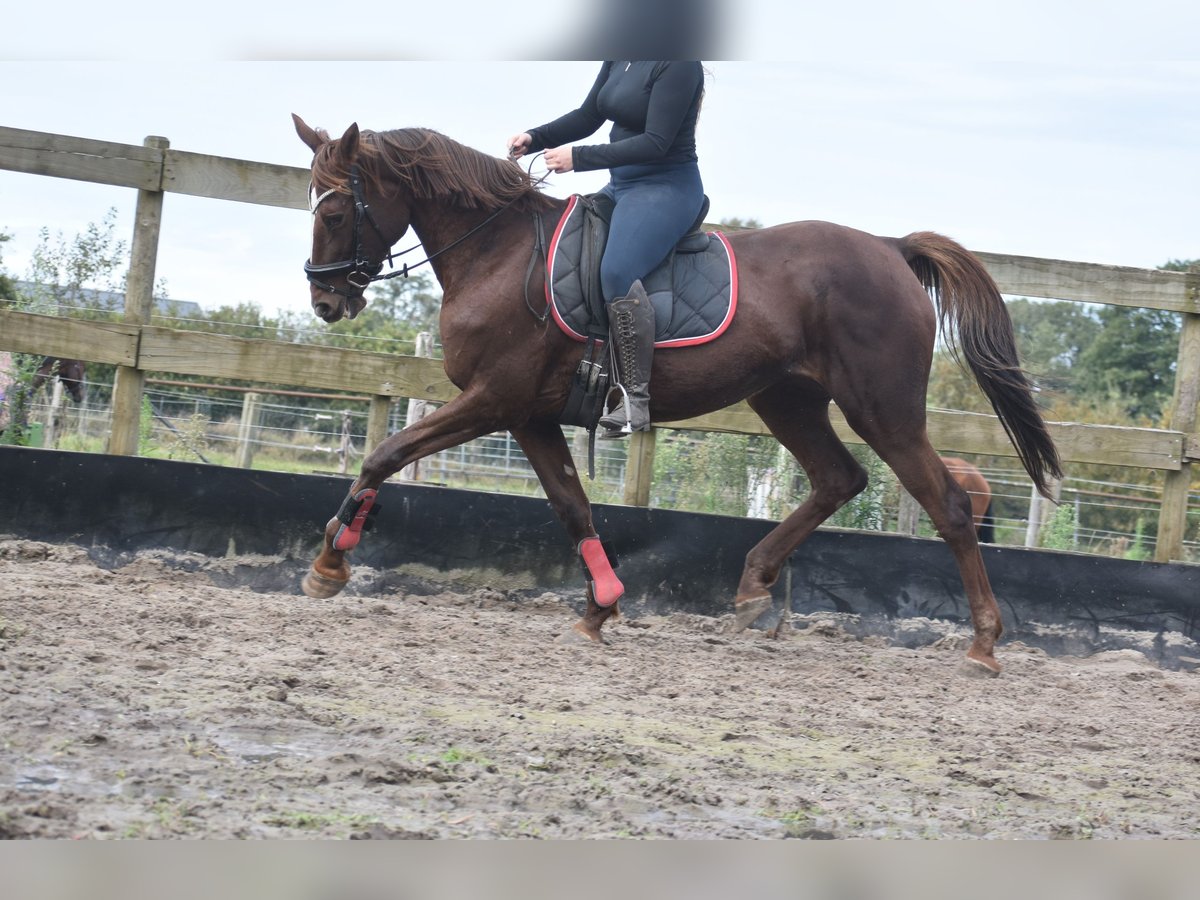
(320, 587)
(977, 668)
(580, 637)
(748, 611)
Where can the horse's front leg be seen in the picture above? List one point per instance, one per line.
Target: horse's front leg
(547, 451)
(466, 417)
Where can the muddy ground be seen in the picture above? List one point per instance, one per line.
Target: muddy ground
(151, 697)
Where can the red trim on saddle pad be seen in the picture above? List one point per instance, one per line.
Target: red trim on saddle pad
(606, 587)
(733, 298)
(552, 255)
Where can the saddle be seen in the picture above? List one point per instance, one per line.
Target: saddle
(693, 293)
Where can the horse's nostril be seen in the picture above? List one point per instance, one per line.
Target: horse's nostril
(322, 310)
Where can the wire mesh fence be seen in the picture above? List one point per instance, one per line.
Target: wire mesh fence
(727, 474)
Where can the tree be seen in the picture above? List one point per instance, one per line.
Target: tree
(1133, 359)
(16, 369)
(1181, 265)
(1051, 336)
(953, 387)
(243, 319)
(68, 272)
(8, 290)
(397, 310)
(413, 302)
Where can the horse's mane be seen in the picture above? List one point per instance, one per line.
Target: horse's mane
(430, 166)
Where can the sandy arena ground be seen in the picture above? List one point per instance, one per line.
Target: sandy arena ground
(149, 700)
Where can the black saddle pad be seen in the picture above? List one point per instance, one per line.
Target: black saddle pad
(694, 291)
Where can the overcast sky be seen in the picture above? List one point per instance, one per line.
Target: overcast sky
(1088, 154)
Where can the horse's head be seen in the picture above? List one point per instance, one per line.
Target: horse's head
(351, 236)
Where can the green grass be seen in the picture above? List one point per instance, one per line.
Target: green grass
(313, 821)
(455, 756)
(795, 822)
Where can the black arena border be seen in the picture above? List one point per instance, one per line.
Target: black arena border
(670, 561)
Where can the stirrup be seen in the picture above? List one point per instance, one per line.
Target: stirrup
(623, 405)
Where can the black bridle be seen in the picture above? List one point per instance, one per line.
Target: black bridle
(360, 271)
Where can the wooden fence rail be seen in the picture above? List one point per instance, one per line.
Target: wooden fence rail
(155, 349)
(155, 169)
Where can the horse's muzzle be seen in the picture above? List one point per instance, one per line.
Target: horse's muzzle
(335, 309)
(327, 312)
(355, 305)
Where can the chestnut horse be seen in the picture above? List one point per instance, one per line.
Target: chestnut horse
(971, 480)
(825, 313)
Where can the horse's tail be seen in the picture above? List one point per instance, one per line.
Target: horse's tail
(987, 530)
(966, 294)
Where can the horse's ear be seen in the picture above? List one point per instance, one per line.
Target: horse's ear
(347, 147)
(310, 137)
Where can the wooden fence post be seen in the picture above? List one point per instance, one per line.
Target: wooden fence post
(1172, 516)
(639, 467)
(1033, 521)
(248, 430)
(579, 447)
(417, 409)
(57, 412)
(139, 303)
(377, 421)
(909, 514)
(344, 447)
(1041, 511)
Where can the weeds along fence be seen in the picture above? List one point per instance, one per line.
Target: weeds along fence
(728, 473)
(659, 467)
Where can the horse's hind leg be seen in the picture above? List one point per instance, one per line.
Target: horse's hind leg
(547, 451)
(909, 454)
(798, 416)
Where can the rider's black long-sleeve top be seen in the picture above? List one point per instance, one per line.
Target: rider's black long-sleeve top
(653, 107)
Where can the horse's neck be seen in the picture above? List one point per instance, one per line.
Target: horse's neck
(439, 227)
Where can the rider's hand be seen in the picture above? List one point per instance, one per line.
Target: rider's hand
(518, 145)
(559, 159)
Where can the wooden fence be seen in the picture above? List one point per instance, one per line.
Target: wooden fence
(135, 347)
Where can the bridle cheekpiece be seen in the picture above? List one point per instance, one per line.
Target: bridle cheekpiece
(360, 271)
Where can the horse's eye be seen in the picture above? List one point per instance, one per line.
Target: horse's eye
(333, 220)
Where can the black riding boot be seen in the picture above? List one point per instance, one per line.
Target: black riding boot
(631, 328)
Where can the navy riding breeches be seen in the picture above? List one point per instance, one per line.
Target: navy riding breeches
(655, 206)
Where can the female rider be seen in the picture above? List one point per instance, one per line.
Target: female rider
(656, 188)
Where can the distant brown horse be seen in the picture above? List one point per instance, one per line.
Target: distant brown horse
(824, 313)
(971, 480)
(71, 372)
(16, 397)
